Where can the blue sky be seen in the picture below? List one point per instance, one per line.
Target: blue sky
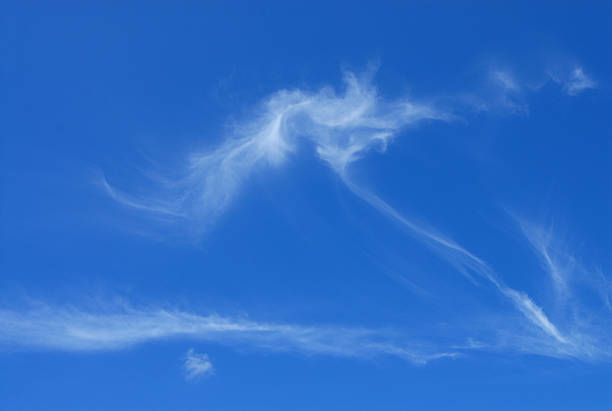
(310, 206)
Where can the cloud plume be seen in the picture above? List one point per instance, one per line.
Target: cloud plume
(342, 128)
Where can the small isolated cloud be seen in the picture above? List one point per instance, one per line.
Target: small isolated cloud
(574, 81)
(197, 365)
(578, 82)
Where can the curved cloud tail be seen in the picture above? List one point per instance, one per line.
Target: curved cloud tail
(460, 257)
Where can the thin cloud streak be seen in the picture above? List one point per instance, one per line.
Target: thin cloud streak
(127, 201)
(464, 261)
(540, 241)
(73, 329)
(585, 319)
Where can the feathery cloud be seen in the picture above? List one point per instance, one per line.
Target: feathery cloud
(342, 128)
(577, 82)
(464, 261)
(117, 327)
(574, 287)
(540, 240)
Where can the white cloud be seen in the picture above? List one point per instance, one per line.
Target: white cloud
(506, 80)
(577, 82)
(576, 291)
(464, 261)
(117, 327)
(501, 91)
(540, 240)
(573, 81)
(143, 205)
(504, 91)
(197, 365)
(341, 127)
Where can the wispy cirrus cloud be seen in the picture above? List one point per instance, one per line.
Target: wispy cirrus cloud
(541, 241)
(581, 295)
(341, 128)
(465, 261)
(505, 91)
(120, 326)
(575, 82)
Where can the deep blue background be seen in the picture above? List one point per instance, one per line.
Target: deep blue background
(103, 86)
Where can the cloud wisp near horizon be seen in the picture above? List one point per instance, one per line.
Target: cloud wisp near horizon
(69, 328)
(341, 128)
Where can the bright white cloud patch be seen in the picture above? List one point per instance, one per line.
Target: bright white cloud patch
(197, 365)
